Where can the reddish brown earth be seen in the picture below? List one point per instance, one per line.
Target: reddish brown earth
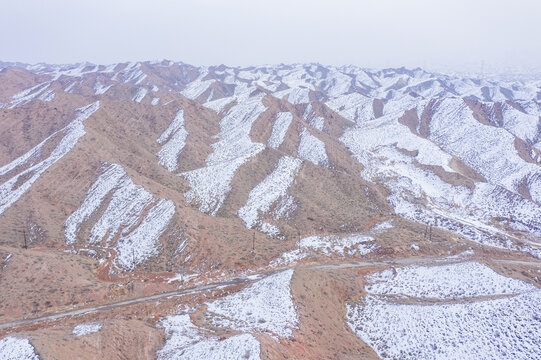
(51, 277)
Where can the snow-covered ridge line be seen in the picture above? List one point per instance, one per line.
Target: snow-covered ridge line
(14, 188)
(211, 184)
(99, 88)
(173, 140)
(133, 216)
(28, 95)
(312, 149)
(315, 121)
(487, 149)
(269, 191)
(279, 129)
(198, 86)
(299, 80)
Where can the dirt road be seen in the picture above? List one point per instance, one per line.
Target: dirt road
(250, 279)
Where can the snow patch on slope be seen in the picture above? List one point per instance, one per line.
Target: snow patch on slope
(198, 86)
(14, 188)
(211, 184)
(140, 94)
(487, 149)
(136, 247)
(501, 327)
(85, 329)
(265, 306)
(173, 140)
(312, 149)
(124, 218)
(329, 245)
(47, 95)
(13, 348)
(100, 89)
(354, 107)
(187, 341)
(464, 280)
(279, 129)
(270, 190)
(29, 94)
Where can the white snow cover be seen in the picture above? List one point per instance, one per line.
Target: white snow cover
(219, 104)
(211, 184)
(350, 245)
(341, 245)
(173, 140)
(299, 96)
(270, 190)
(372, 136)
(495, 325)
(382, 227)
(379, 145)
(265, 306)
(187, 341)
(13, 348)
(142, 242)
(127, 203)
(505, 328)
(522, 125)
(100, 89)
(28, 95)
(137, 234)
(487, 149)
(463, 280)
(198, 86)
(111, 177)
(15, 187)
(312, 149)
(279, 129)
(85, 329)
(140, 94)
(317, 122)
(354, 107)
(70, 87)
(6, 260)
(47, 95)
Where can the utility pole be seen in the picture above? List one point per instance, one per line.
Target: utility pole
(24, 234)
(430, 236)
(253, 241)
(133, 257)
(426, 230)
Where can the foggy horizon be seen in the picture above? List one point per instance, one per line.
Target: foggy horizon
(454, 36)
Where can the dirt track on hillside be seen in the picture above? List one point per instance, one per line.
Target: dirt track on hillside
(250, 279)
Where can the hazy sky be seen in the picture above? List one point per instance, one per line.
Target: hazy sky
(444, 35)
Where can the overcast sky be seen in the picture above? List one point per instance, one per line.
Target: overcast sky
(445, 35)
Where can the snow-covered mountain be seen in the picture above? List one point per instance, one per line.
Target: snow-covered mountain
(461, 153)
(152, 166)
